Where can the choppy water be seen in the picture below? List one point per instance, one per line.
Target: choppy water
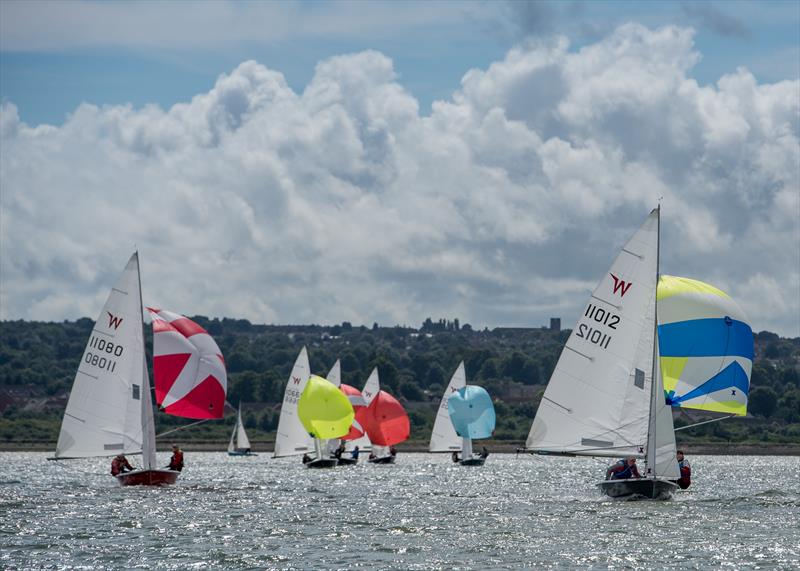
(422, 513)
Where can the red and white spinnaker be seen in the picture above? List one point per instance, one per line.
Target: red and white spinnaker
(188, 367)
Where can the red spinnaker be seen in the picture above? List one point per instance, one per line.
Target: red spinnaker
(357, 400)
(386, 421)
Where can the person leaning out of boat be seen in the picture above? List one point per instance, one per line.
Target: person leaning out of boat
(176, 461)
(120, 465)
(686, 471)
(623, 469)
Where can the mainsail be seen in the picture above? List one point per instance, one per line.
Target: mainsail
(706, 347)
(188, 367)
(443, 436)
(598, 399)
(291, 438)
(110, 397)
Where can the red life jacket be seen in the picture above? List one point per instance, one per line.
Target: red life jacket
(176, 462)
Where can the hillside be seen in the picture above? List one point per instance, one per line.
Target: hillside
(38, 361)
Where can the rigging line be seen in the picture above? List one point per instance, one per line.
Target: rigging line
(704, 422)
(182, 427)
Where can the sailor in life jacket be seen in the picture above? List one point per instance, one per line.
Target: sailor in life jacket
(686, 471)
(623, 469)
(120, 465)
(176, 462)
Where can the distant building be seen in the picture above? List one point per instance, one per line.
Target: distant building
(555, 324)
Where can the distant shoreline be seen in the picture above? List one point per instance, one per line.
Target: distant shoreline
(496, 447)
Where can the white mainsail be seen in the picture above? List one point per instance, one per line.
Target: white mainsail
(292, 439)
(110, 397)
(335, 374)
(443, 436)
(239, 440)
(598, 399)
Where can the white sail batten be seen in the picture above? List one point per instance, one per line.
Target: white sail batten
(292, 439)
(598, 399)
(105, 411)
(443, 436)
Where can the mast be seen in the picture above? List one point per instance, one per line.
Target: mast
(651, 432)
(148, 426)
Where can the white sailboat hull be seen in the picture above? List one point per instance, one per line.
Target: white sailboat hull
(639, 488)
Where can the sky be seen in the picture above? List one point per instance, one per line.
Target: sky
(320, 162)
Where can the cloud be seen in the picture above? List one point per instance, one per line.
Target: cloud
(504, 206)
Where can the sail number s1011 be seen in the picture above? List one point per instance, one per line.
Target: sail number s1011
(103, 356)
(591, 333)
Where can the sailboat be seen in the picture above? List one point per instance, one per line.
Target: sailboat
(291, 438)
(466, 413)
(606, 397)
(239, 444)
(371, 388)
(110, 410)
(356, 432)
(386, 424)
(326, 414)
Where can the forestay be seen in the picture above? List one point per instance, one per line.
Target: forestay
(189, 370)
(598, 399)
(443, 436)
(110, 396)
(291, 438)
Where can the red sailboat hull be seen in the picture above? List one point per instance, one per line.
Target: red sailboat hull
(148, 478)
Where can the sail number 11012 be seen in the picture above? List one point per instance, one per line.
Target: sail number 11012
(602, 317)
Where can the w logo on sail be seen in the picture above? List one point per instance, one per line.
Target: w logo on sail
(620, 285)
(113, 320)
(296, 380)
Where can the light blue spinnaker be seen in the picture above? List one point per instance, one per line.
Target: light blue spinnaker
(472, 412)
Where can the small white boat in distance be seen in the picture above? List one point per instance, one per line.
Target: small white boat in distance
(239, 444)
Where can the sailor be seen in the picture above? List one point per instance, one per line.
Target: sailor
(306, 458)
(338, 452)
(354, 453)
(484, 453)
(120, 465)
(176, 461)
(455, 457)
(392, 451)
(623, 469)
(686, 471)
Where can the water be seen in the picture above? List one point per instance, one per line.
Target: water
(422, 513)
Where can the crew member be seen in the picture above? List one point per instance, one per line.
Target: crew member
(623, 469)
(176, 461)
(120, 465)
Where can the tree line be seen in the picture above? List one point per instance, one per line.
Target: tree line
(38, 362)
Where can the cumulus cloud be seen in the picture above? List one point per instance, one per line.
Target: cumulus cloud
(342, 202)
